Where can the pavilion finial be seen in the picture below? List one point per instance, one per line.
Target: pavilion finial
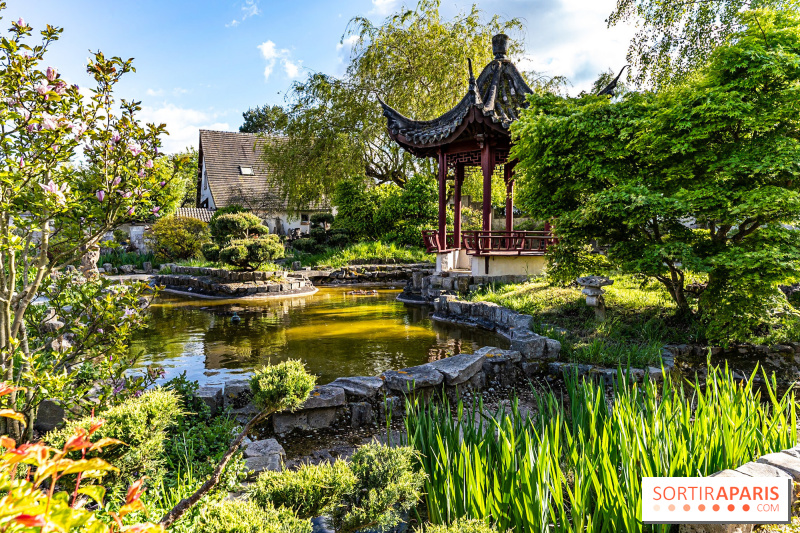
(500, 46)
(471, 75)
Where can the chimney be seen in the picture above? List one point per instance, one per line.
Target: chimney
(500, 45)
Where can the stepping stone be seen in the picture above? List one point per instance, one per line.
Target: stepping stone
(414, 378)
(325, 396)
(459, 368)
(360, 386)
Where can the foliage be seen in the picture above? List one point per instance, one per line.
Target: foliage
(309, 491)
(462, 526)
(284, 386)
(271, 120)
(322, 219)
(387, 484)
(357, 203)
(142, 424)
(367, 253)
(210, 251)
(701, 177)
(237, 516)
(176, 238)
(30, 473)
(415, 60)
(53, 207)
(230, 226)
(577, 465)
(251, 254)
(676, 38)
(117, 258)
(227, 210)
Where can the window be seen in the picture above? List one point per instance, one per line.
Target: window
(304, 219)
(246, 171)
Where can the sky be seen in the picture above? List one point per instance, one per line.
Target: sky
(201, 63)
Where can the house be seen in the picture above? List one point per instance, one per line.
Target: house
(231, 171)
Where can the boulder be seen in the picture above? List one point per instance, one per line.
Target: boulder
(237, 394)
(496, 355)
(261, 448)
(761, 470)
(127, 269)
(49, 416)
(212, 397)
(360, 386)
(459, 368)
(361, 414)
(414, 378)
(325, 396)
(147, 266)
(108, 267)
(782, 461)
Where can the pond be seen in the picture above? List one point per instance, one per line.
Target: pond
(335, 333)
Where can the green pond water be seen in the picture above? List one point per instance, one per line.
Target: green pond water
(335, 333)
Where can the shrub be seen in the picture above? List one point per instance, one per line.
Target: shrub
(282, 386)
(210, 251)
(141, 423)
(237, 516)
(227, 210)
(174, 238)
(250, 254)
(308, 492)
(462, 526)
(387, 484)
(306, 245)
(322, 219)
(339, 238)
(234, 226)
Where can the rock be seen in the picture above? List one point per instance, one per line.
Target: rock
(459, 368)
(262, 448)
(360, 386)
(108, 267)
(761, 470)
(728, 473)
(391, 405)
(414, 378)
(89, 262)
(127, 269)
(296, 265)
(51, 326)
(523, 323)
(361, 414)
(256, 465)
(325, 396)
(237, 394)
(784, 462)
(794, 452)
(212, 397)
(496, 355)
(147, 266)
(49, 416)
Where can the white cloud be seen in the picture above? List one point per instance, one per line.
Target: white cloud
(155, 92)
(273, 55)
(249, 9)
(384, 7)
(349, 42)
(183, 124)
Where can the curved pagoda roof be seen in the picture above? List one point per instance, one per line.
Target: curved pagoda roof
(491, 104)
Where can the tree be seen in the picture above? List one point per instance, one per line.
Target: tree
(676, 38)
(271, 120)
(52, 211)
(416, 61)
(698, 179)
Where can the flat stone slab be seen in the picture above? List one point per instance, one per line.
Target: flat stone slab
(361, 386)
(761, 470)
(325, 396)
(794, 452)
(263, 447)
(263, 463)
(212, 397)
(410, 379)
(459, 368)
(496, 355)
(728, 473)
(782, 461)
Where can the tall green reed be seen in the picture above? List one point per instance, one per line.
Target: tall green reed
(577, 463)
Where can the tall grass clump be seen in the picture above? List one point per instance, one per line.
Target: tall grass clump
(576, 465)
(365, 253)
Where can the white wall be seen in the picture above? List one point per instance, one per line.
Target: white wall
(205, 190)
(508, 265)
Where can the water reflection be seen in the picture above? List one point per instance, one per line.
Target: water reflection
(334, 333)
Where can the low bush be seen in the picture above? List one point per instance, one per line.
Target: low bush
(142, 424)
(251, 254)
(238, 516)
(462, 526)
(117, 258)
(282, 386)
(210, 251)
(307, 245)
(174, 238)
(233, 226)
(322, 219)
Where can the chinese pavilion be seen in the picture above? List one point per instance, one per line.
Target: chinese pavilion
(476, 133)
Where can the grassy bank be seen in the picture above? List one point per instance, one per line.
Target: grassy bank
(364, 253)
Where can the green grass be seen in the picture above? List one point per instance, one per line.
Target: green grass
(117, 259)
(203, 263)
(364, 253)
(640, 319)
(576, 464)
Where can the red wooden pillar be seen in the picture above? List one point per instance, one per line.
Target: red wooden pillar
(487, 165)
(508, 170)
(442, 200)
(459, 179)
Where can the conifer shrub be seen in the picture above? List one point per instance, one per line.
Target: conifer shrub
(175, 238)
(241, 516)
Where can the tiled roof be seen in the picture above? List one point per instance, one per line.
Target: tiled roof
(224, 152)
(200, 213)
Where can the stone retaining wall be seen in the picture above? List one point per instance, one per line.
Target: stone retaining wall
(784, 464)
(367, 274)
(246, 284)
(428, 287)
(759, 351)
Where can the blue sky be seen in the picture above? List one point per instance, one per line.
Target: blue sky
(200, 64)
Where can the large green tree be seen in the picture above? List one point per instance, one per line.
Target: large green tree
(265, 119)
(416, 61)
(675, 38)
(701, 178)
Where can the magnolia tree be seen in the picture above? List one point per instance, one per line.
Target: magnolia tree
(76, 163)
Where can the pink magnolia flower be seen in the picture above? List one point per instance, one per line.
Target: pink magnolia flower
(100, 331)
(127, 194)
(57, 192)
(130, 210)
(49, 123)
(52, 73)
(21, 22)
(21, 162)
(149, 163)
(42, 89)
(60, 88)
(116, 138)
(156, 209)
(141, 173)
(135, 150)
(30, 127)
(100, 195)
(116, 181)
(163, 183)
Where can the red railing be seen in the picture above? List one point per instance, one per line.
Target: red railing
(483, 243)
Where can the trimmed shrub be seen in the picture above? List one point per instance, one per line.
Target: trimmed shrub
(227, 210)
(250, 254)
(282, 386)
(142, 424)
(461, 526)
(210, 251)
(306, 245)
(175, 238)
(309, 491)
(238, 516)
(234, 226)
(321, 219)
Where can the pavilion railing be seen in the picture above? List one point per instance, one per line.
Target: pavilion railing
(486, 243)
(483, 243)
